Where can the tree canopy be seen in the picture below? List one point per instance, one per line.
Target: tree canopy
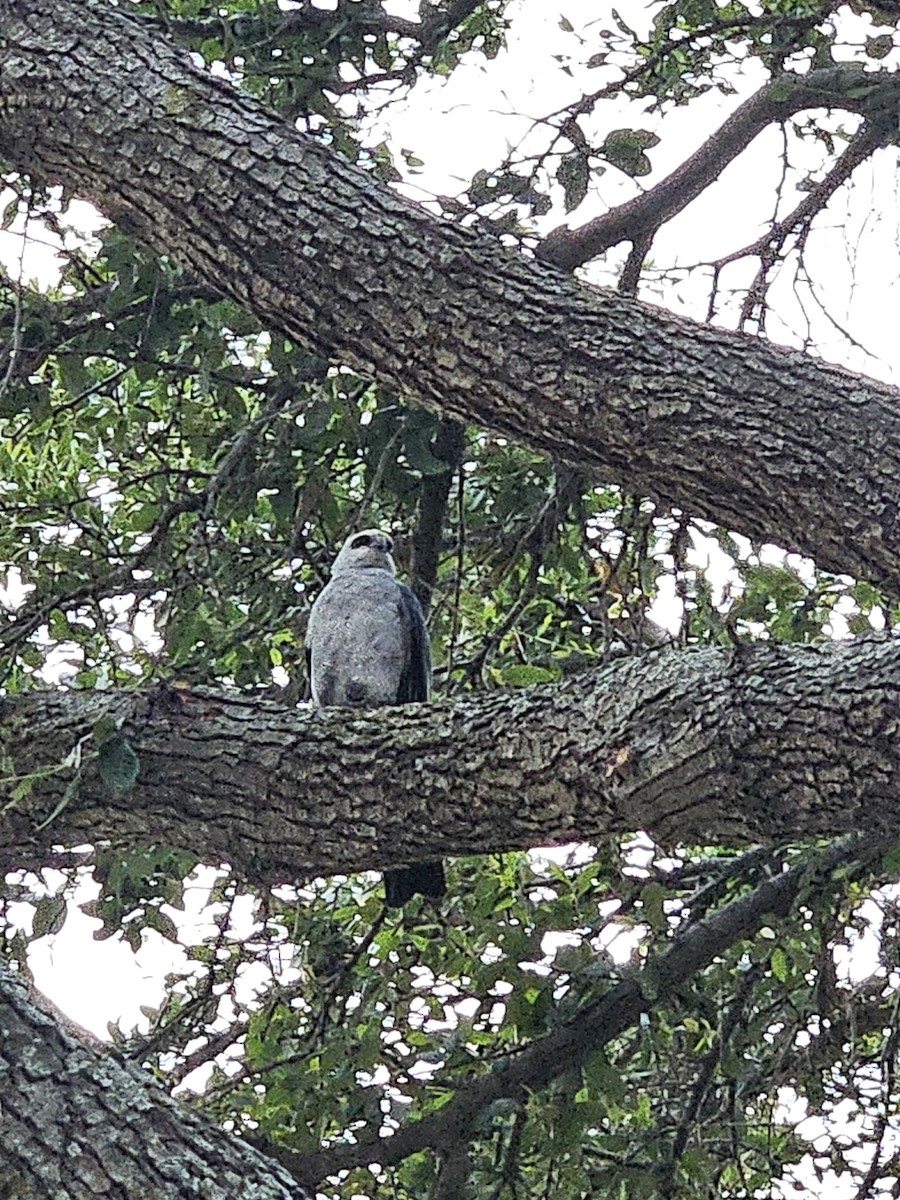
(601, 496)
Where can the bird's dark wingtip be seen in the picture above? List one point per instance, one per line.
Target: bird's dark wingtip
(425, 879)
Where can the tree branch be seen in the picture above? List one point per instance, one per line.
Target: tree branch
(432, 510)
(619, 1009)
(758, 439)
(863, 144)
(59, 1086)
(767, 742)
(845, 87)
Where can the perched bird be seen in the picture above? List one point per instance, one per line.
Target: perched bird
(366, 645)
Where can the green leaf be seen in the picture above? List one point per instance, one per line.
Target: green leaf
(779, 964)
(603, 1079)
(573, 174)
(879, 47)
(653, 897)
(624, 148)
(10, 213)
(526, 675)
(103, 730)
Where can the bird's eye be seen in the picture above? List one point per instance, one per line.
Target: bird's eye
(389, 544)
(362, 540)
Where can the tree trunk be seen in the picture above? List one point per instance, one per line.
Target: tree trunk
(762, 440)
(766, 742)
(78, 1123)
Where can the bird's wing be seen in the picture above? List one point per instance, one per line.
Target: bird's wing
(415, 682)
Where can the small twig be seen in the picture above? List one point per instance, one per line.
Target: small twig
(705, 1073)
(15, 342)
(777, 100)
(768, 247)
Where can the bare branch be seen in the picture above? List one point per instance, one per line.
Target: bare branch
(846, 88)
(797, 223)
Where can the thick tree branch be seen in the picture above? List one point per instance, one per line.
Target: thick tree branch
(766, 742)
(845, 87)
(758, 439)
(58, 1089)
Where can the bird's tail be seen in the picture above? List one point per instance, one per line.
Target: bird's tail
(426, 879)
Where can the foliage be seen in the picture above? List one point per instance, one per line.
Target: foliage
(174, 480)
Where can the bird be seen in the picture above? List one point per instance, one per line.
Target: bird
(367, 646)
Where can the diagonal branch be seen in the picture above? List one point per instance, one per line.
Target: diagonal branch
(618, 1010)
(869, 137)
(844, 88)
(758, 439)
(60, 1085)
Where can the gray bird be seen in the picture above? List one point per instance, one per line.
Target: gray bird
(366, 645)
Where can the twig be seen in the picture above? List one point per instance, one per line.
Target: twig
(835, 87)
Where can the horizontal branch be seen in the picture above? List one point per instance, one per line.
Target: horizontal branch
(761, 743)
(762, 440)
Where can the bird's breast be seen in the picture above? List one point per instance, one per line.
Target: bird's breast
(358, 642)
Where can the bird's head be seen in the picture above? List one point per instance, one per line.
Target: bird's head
(368, 548)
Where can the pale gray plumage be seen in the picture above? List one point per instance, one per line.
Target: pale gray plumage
(366, 646)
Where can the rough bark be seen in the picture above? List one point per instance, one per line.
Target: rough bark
(79, 1123)
(759, 439)
(767, 742)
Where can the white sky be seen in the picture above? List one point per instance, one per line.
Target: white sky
(468, 122)
(465, 123)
